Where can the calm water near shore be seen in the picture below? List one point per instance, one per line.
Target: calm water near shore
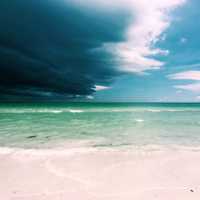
(99, 124)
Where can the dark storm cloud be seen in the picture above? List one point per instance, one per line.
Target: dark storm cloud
(47, 47)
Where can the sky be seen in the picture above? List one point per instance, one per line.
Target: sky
(99, 50)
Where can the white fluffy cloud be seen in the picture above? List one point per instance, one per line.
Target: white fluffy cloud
(194, 87)
(187, 75)
(101, 87)
(152, 18)
(90, 97)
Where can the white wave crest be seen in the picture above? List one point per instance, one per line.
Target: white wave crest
(154, 110)
(76, 111)
(139, 120)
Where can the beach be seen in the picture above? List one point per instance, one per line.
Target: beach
(100, 174)
(99, 100)
(99, 151)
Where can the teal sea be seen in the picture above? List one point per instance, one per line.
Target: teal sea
(99, 124)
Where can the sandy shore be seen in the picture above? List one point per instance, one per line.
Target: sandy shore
(99, 174)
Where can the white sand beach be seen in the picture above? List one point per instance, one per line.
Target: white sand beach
(99, 174)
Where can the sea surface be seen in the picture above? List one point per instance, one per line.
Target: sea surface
(39, 125)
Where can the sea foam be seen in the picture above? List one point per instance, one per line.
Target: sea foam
(76, 111)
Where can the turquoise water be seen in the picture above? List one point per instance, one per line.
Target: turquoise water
(100, 124)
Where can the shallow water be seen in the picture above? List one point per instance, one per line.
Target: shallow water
(99, 124)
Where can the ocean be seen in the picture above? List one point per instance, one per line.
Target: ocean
(45, 125)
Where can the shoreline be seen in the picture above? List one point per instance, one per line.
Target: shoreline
(90, 145)
(99, 174)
